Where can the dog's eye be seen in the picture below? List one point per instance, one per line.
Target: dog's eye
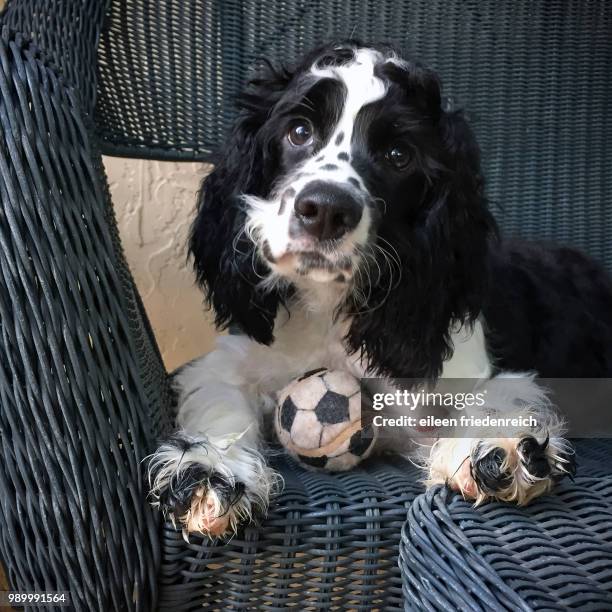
(398, 157)
(300, 133)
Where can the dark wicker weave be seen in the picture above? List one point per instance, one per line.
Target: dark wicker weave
(329, 543)
(83, 391)
(553, 555)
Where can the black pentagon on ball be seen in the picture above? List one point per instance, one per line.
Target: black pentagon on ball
(287, 415)
(317, 462)
(332, 408)
(361, 441)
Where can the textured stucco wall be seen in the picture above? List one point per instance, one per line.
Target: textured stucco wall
(154, 203)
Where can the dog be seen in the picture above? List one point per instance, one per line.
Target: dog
(346, 226)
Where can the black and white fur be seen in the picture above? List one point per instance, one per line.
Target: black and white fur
(405, 277)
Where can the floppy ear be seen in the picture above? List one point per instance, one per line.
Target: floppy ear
(443, 255)
(226, 263)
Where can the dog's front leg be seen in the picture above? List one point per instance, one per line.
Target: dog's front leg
(211, 476)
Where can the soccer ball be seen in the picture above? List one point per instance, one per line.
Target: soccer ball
(318, 421)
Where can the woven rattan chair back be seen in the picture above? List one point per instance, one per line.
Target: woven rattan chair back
(534, 78)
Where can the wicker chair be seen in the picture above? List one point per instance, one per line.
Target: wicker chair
(83, 392)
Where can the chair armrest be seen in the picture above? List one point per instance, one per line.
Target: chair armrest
(83, 392)
(554, 554)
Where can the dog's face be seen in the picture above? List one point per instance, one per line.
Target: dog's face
(356, 141)
(347, 174)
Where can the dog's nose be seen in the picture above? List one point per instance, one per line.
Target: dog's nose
(326, 211)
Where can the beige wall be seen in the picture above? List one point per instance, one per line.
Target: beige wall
(154, 203)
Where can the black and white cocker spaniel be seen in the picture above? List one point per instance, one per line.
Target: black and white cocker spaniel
(345, 226)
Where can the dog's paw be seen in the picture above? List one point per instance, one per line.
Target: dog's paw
(505, 469)
(209, 487)
(203, 501)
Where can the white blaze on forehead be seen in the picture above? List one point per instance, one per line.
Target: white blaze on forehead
(362, 87)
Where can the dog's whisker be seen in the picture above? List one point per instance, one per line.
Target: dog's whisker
(392, 262)
(394, 255)
(383, 202)
(368, 255)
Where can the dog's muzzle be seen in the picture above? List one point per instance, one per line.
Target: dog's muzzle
(326, 211)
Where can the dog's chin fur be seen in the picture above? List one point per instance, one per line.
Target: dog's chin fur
(394, 295)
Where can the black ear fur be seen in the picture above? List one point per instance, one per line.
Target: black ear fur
(226, 265)
(443, 257)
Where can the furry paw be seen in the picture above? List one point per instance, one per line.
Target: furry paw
(209, 487)
(505, 469)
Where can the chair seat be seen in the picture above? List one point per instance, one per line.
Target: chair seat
(329, 542)
(332, 542)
